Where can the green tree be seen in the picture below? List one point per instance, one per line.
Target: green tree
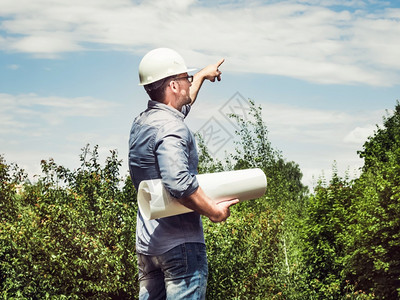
(73, 234)
(245, 256)
(11, 178)
(254, 150)
(351, 232)
(207, 163)
(285, 194)
(253, 255)
(324, 236)
(374, 251)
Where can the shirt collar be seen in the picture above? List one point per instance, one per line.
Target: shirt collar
(158, 105)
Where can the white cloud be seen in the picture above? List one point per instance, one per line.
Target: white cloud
(29, 111)
(346, 3)
(359, 134)
(301, 39)
(45, 44)
(34, 127)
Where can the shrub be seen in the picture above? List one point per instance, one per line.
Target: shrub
(245, 256)
(73, 234)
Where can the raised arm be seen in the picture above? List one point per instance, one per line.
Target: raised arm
(211, 72)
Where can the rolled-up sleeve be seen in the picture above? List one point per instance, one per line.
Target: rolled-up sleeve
(172, 152)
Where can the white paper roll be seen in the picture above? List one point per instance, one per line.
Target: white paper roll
(155, 201)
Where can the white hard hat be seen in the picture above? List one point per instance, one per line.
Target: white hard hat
(161, 63)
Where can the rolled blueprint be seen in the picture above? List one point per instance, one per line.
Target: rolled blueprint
(155, 201)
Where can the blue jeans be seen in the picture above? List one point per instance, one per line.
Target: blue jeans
(180, 273)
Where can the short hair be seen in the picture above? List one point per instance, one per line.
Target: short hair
(156, 90)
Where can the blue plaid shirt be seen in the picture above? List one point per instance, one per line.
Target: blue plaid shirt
(162, 146)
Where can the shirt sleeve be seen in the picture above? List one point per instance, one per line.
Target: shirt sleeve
(172, 152)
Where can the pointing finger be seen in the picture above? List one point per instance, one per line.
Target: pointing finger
(220, 62)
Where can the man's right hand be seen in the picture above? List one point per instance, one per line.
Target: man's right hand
(216, 212)
(223, 210)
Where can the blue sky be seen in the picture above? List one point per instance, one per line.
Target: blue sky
(324, 72)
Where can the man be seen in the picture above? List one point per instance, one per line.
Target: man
(171, 251)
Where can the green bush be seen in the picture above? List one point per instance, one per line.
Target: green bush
(73, 234)
(245, 256)
(253, 255)
(351, 233)
(373, 258)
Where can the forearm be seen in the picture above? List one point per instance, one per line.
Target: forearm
(201, 203)
(198, 80)
(211, 72)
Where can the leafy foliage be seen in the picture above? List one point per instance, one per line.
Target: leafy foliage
(352, 231)
(324, 237)
(71, 234)
(254, 150)
(262, 263)
(374, 253)
(245, 257)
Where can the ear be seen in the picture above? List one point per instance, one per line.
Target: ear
(174, 86)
